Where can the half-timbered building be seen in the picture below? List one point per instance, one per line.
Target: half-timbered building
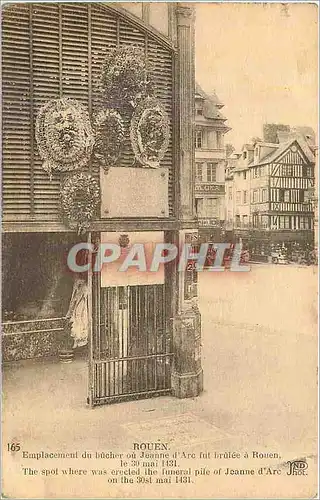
(267, 198)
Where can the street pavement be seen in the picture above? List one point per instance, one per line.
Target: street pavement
(259, 355)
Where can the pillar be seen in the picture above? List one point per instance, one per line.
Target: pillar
(185, 74)
(187, 376)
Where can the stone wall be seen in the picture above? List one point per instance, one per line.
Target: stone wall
(32, 339)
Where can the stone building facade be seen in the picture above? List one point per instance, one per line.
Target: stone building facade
(210, 154)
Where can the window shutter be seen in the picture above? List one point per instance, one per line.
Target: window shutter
(55, 50)
(161, 62)
(75, 63)
(45, 79)
(16, 153)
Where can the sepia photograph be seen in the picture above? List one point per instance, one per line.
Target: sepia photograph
(159, 300)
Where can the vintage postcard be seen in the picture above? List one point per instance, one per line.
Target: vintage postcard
(159, 250)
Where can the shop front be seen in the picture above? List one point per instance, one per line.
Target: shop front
(210, 210)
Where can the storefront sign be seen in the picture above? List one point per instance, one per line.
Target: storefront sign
(209, 189)
(208, 222)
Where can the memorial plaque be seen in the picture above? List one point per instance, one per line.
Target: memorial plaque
(134, 192)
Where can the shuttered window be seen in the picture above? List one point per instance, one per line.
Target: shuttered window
(55, 50)
(16, 112)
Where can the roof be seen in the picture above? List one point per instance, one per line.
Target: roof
(267, 144)
(214, 98)
(241, 167)
(210, 110)
(249, 147)
(211, 104)
(199, 92)
(307, 133)
(283, 147)
(234, 156)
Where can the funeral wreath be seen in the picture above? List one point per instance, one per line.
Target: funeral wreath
(124, 76)
(149, 132)
(109, 137)
(80, 197)
(64, 135)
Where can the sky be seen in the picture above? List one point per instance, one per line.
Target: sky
(262, 61)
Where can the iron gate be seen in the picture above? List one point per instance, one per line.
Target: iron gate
(131, 342)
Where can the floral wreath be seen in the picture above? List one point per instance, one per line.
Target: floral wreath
(124, 76)
(149, 132)
(109, 137)
(80, 197)
(64, 135)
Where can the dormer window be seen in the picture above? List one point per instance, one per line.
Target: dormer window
(256, 151)
(244, 155)
(199, 111)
